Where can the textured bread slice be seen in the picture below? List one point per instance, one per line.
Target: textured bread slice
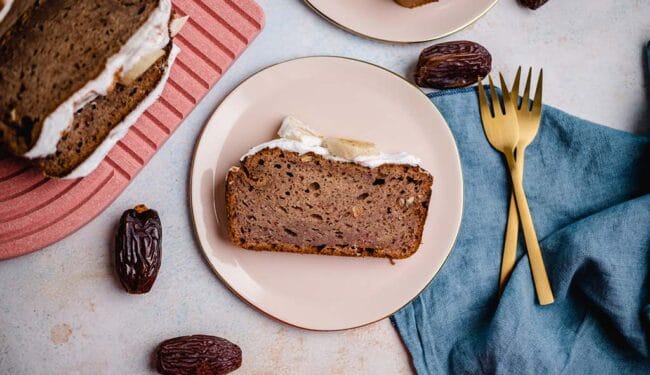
(282, 201)
(414, 3)
(94, 121)
(61, 46)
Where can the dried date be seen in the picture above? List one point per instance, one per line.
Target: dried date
(138, 249)
(533, 4)
(198, 354)
(452, 64)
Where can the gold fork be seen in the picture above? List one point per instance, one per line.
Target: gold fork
(502, 131)
(528, 118)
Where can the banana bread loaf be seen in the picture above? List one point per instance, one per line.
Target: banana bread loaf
(53, 54)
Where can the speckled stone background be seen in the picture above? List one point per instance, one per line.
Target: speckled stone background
(62, 310)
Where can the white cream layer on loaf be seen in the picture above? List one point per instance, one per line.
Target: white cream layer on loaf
(306, 143)
(119, 131)
(152, 36)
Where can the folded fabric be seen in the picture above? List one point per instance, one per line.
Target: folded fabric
(588, 191)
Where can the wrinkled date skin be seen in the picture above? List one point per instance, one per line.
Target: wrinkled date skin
(452, 64)
(198, 354)
(138, 249)
(533, 4)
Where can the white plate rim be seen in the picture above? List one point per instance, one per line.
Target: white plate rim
(430, 39)
(194, 172)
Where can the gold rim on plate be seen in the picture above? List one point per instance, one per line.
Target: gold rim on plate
(439, 36)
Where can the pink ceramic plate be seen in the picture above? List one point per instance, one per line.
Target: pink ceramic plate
(385, 20)
(36, 211)
(344, 98)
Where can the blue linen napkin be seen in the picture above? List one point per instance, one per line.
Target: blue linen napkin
(587, 187)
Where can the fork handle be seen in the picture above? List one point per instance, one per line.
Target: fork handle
(540, 278)
(509, 256)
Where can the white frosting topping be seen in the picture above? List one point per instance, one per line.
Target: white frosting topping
(377, 160)
(5, 9)
(292, 146)
(296, 137)
(152, 35)
(296, 130)
(122, 128)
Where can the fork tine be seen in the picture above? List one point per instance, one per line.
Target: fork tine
(506, 95)
(495, 98)
(537, 103)
(514, 93)
(483, 104)
(525, 100)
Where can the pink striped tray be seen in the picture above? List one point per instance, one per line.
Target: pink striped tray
(36, 211)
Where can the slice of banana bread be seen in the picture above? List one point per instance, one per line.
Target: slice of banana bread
(54, 53)
(283, 201)
(414, 3)
(93, 123)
